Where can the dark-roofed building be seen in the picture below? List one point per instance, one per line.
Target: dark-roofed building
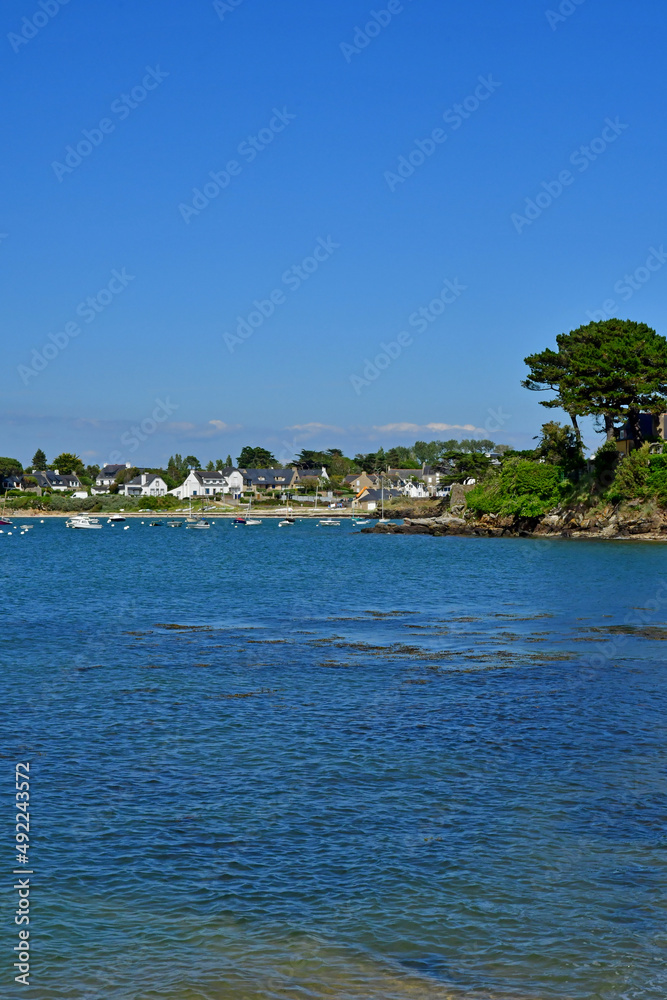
(362, 480)
(52, 480)
(429, 476)
(11, 483)
(372, 499)
(268, 479)
(147, 484)
(107, 476)
(205, 483)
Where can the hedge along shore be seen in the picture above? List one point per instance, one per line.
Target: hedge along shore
(175, 515)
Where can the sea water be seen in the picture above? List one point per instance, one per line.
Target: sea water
(310, 763)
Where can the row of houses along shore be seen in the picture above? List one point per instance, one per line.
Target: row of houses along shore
(234, 483)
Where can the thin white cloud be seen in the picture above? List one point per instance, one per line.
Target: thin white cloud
(315, 428)
(455, 427)
(406, 428)
(198, 432)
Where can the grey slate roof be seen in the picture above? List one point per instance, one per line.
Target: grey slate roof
(377, 494)
(268, 477)
(49, 479)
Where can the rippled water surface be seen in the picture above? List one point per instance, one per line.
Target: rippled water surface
(306, 763)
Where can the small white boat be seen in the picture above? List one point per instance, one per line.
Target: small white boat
(252, 521)
(115, 518)
(329, 522)
(82, 521)
(201, 525)
(26, 527)
(384, 520)
(288, 520)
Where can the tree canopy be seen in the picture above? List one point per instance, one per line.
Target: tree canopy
(68, 464)
(558, 445)
(255, 458)
(39, 460)
(10, 467)
(614, 369)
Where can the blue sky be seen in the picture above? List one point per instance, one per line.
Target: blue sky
(333, 112)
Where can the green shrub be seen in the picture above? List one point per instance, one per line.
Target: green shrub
(522, 489)
(632, 476)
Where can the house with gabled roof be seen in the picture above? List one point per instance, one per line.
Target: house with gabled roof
(146, 484)
(106, 477)
(361, 480)
(372, 499)
(51, 479)
(205, 483)
(429, 476)
(275, 480)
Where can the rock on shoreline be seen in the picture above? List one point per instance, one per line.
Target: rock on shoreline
(560, 523)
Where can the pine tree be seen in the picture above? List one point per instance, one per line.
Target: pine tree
(615, 369)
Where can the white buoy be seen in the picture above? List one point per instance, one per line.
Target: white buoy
(127, 526)
(9, 532)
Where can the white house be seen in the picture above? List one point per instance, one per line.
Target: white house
(234, 479)
(148, 484)
(202, 483)
(106, 476)
(427, 475)
(416, 491)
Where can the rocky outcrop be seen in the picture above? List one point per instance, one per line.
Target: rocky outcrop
(610, 522)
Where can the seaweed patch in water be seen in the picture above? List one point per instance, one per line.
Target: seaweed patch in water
(643, 631)
(187, 628)
(389, 614)
(249, 694)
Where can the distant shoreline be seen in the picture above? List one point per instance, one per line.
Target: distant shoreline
(172, 516)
